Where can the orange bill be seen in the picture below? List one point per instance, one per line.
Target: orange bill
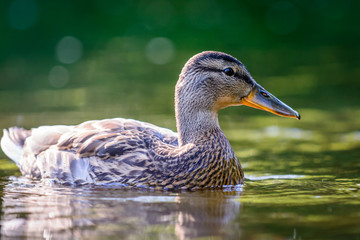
(261, 99)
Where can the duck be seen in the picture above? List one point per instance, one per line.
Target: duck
(137, 154)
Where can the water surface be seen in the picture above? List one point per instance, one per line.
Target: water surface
(301, 183)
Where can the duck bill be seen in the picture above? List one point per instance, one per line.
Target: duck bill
(261, 99)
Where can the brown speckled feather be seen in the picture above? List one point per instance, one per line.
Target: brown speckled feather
(132, 153)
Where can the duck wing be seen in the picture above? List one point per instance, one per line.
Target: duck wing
(90, 133)
(94, 151)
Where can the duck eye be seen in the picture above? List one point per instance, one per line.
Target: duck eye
(229, 71)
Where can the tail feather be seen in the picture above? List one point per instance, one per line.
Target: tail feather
(13, 141)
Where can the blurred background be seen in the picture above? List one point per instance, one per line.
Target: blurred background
(63, 62)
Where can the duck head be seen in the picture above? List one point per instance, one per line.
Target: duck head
(211, 81)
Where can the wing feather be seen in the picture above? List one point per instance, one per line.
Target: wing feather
(100, 150)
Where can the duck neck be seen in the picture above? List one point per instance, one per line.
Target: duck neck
(193, 125)
(196, 116)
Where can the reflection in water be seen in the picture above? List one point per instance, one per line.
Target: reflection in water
(35, 210)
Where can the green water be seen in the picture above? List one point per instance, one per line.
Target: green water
(302, 178)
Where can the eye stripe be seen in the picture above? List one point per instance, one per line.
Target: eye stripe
(210, 69)
(245, 77)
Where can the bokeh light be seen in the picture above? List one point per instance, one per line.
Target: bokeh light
(69, 50)
(160, 50)
(59, 76)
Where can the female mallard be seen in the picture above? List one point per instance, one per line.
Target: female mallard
(140, 154)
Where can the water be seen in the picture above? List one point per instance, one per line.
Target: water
(300, 184)
(267, 207)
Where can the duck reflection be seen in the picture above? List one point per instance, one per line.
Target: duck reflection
(33, 210)
(208, 214)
